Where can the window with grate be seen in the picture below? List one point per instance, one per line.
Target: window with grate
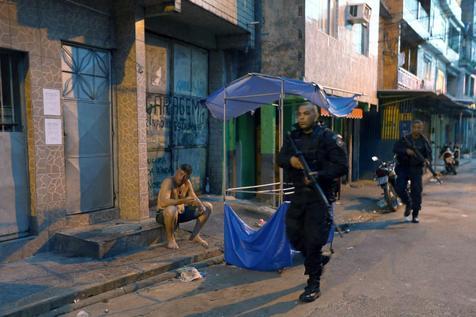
(325, 13)
(360, 38)
(10, 104)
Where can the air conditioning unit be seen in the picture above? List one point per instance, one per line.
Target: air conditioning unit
(359, 13)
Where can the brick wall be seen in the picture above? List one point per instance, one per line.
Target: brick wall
(332, 61)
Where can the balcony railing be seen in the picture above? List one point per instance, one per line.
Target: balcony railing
(407, 80)
(453, 7)
(418, 17)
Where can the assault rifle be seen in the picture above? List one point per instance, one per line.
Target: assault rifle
(421, 158)
(310, 175)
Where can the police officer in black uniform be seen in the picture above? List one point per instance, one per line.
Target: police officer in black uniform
(307, 220)
(410, 167)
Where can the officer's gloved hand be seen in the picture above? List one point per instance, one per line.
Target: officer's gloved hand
(307, 181)
(410, 152)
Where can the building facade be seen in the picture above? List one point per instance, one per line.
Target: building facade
(318, 41)
(99, 102)
(422, 75)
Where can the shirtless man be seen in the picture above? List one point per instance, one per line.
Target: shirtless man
(178, 203)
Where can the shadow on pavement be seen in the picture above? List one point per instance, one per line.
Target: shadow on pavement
(250, 306)
(361, 204)
(376, 225)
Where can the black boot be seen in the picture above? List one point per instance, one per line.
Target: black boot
(415, 218)
(325, 259)
(312, 291)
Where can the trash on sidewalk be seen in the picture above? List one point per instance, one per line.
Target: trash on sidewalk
(345, 227)
(261, 222)
(188, 274)
(381, 203)
(82, 313)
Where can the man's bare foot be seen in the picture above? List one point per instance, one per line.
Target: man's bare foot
(172, 244)
(200, 241)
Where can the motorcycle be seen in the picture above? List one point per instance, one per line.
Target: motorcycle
(457, 154)
(385, 177)
(449, 159)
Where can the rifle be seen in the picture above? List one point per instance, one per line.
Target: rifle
(421, 158)
(311, 176)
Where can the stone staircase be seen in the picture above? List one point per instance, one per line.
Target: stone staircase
(108, 239)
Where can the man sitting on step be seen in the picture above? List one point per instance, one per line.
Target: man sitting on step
(178, 203)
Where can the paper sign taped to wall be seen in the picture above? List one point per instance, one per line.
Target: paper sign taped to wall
(51, 102)
(53, 132)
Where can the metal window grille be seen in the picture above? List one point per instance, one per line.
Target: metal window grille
(392, 116)
(9, 94)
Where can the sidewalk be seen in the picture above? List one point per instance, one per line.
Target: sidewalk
(46, 281)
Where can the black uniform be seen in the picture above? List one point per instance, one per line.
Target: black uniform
(307, 220)
(410, 167)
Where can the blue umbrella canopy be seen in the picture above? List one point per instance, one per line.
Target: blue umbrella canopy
(255, 90)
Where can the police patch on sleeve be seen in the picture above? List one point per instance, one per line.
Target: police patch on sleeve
(339, 140)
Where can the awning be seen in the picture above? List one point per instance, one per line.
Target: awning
(427, 98)
(356, 113)
(253, 91)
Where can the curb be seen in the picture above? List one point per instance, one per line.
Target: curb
(47, 305)
(129, 288)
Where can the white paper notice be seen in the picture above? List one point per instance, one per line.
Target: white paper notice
(53, 131)
(51, 102)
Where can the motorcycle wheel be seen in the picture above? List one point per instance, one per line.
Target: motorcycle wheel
(391, 197)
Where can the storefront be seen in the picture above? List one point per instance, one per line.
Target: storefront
(177, 124)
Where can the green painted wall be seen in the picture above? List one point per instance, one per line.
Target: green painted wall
(268, 130)
(246, 142)
(230, 135)
(339, 126)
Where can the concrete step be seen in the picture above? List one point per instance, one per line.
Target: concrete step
(108, 239)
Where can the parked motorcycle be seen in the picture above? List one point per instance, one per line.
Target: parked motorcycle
(385, 177)
(449, 159)
(457, 154)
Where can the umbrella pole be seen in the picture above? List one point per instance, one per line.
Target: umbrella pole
(281, 135)
(223, 186)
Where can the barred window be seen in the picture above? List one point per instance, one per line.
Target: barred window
(10, 103)
(325, 13)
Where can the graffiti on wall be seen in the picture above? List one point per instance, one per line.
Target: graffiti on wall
(175, 120)
(177, 133)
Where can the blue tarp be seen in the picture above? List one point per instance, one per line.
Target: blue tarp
(255, 90)
(264, 249)
(341, 106)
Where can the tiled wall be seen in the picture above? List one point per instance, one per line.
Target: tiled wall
(129, 65)
(37, 28)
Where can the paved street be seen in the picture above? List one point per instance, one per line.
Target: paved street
(382, 268)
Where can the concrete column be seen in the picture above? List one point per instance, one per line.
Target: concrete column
(129, 67)
(217, 71)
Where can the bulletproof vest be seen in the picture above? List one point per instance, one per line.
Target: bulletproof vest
(311, 146)
(419, 144)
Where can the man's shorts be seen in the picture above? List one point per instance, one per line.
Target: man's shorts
(189, 213)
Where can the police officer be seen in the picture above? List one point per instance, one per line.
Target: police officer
(307, 220)
(410, 167)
